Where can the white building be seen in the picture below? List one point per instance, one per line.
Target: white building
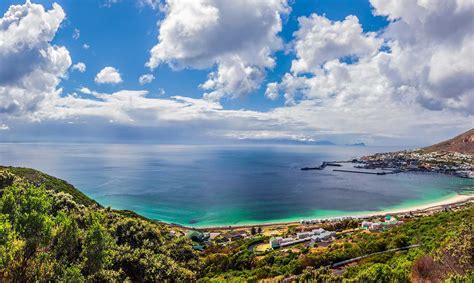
(324, 236)
(303, 235)
(280, 241)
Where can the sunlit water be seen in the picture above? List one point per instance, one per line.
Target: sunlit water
(228, 185)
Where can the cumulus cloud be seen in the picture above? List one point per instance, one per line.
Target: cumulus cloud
(146, 79)
(416, 71)
(319, 40)
(307, 120)
(79, 66)
(86, 46)
(272, 91)
(85, 90)
(238, 37)
(434, 47)
(30, 67)
(108, 75)
(425, 60)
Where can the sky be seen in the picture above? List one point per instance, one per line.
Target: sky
(382, 72)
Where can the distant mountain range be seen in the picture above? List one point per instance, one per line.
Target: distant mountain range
(356, 144)
(303, 142)
(464, 143)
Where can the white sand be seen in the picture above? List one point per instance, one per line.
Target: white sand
(432, 205)
(457, 199)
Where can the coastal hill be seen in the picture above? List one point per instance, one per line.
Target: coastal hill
(463, 143)
(50, 231)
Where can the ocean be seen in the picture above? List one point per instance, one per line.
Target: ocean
(209, 185)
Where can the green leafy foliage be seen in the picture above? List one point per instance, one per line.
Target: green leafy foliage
(46, 234)
(446, 240)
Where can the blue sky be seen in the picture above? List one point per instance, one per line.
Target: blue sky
(121, 33)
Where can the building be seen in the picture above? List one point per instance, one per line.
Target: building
(303, 235)
(365, 224)
(388, 222)
(281, 242)
(376, 226)
(236, 235)
(198, 236)
(324, 236)
(318, 231)
(310, 221)
(317, 235)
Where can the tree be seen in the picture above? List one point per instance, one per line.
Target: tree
(67, 244)
(7, 246)
(34, 221)
(96, 249)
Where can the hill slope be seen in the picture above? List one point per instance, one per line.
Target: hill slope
(50, 231)
(464, 143)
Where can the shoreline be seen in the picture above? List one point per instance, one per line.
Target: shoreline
(456, 200)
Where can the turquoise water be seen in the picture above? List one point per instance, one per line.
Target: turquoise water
(229, 185)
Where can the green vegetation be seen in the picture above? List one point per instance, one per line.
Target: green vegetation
(49, 231)
(37, 178)
(446, 254)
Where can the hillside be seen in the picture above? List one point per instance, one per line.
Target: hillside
(463, 143)
(51, 232)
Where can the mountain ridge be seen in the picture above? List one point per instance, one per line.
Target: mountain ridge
(463, 143)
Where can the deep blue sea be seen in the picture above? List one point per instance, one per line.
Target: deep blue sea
(228, 185)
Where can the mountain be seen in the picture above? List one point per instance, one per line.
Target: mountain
(464, 143)
(323, 142)
(356, 144)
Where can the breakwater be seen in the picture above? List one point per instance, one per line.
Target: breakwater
(364, 172)
(322, 166)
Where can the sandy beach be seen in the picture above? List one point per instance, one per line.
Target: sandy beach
(432, 206)
(457, 199)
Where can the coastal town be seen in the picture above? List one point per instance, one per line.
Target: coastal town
(451, 163)
(452, 157)
(441, 162)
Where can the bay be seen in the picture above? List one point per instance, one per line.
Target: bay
(210, 185)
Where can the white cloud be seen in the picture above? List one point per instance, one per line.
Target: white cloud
(434, 43)
(79, 66)
(161, 92)
(237, 36)
(76, 34)
(423, 69)
(85, 90)
(423, 61)
(319, 40)
(4, 127)
(233, 78)
(306, 120)
(154, 4)
(146, 79)
(85, 46)
(272, 91)
(108, 75)
(30, 67)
